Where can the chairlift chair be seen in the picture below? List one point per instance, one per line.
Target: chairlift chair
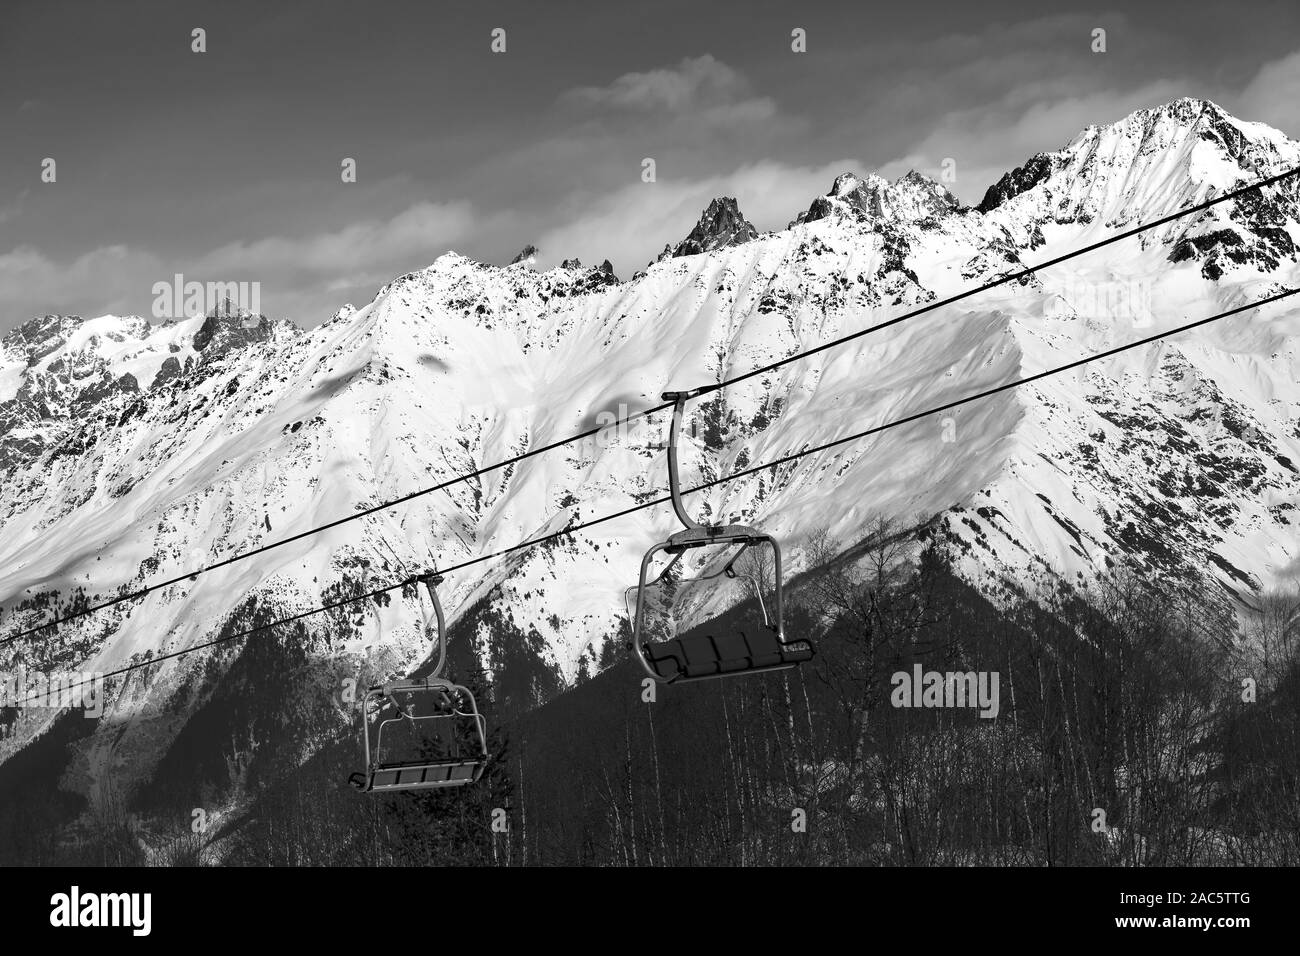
(439, 717)
(698, 656)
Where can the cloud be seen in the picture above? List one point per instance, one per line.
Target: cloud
(702, 86)
(1273, 96)
(697, 98)
(987, 99)
(420, 233)
(303, 277)
(13, 209)
(991, 98)
(108, 279)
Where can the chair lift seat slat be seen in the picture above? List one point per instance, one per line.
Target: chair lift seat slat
(413, 764)
(425, 775)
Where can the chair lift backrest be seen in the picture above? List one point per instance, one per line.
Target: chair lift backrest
(669, 601)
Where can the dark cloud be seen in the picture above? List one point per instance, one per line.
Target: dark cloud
(225, 165)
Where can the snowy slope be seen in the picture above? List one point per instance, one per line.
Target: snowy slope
(121, 467)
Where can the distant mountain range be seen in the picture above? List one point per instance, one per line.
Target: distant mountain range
(131, 452)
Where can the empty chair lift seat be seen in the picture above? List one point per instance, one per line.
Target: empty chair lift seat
(699, 656)
(707, 655)
(464, 747)
(437, 720)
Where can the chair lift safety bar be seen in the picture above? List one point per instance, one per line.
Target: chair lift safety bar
(700, 656)
(439, 716)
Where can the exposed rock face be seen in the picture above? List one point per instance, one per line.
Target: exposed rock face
(720, 226)
(1019, 180)
(64, 386)
(527, 255)
(41, 336)
(913, 198)
(219, 335)
(169, 370)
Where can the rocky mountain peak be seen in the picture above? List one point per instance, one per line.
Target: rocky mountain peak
(228, 308)
(38, 337)
(721, 225)
(219, 335)
(527, 255)
(913, 197)
(1122, 172)
(849, 184)
(1021, 179)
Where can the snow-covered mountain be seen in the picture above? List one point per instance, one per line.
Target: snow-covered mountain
(131, 452)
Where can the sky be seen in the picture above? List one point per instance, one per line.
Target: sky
(225, 165)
